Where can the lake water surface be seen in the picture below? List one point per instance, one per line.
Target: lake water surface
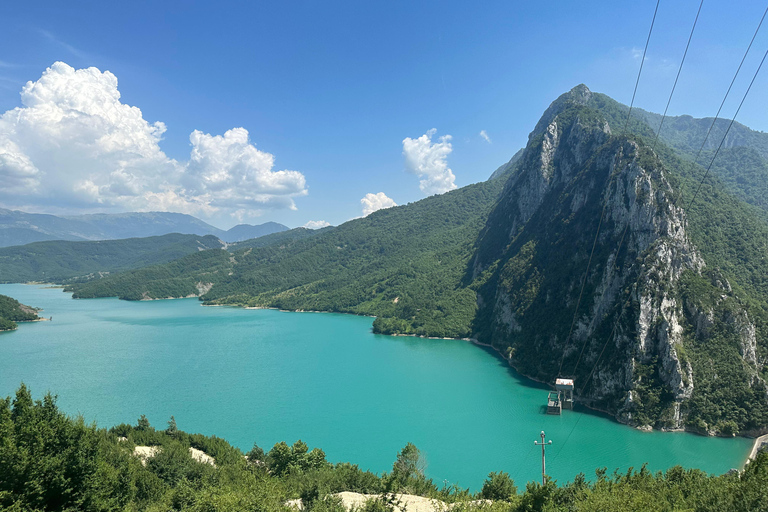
(266, 376)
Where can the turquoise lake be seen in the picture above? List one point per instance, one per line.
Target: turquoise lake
(266, 376)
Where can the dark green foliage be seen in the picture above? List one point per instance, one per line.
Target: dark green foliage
(404, 265)
(256, 454)
(283, 459)
(12, 311)
(409, 464)
(408, 473)
(172, 429)
(498, 487)
(54, 463)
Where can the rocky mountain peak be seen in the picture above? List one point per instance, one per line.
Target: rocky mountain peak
(578, 96)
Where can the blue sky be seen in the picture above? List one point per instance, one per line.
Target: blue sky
(332, 89)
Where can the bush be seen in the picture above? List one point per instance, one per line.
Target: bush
(498, 487)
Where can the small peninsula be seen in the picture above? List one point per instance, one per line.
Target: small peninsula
(12, 311)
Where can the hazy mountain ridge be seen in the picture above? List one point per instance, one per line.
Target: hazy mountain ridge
(19, 228)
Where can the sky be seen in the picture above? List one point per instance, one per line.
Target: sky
(312, 113)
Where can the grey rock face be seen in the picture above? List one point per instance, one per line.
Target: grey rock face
(631, 316)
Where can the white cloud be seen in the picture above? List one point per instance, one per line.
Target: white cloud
(73, 145)
(485, 136)
(231, 172)
(316, 224)
(373, 202)
(429, 162)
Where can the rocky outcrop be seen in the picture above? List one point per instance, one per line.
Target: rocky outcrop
(625, 346)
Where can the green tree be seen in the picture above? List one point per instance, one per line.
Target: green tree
(256, 454)
(172, 428)
(143, 424)
(498, 486)
(409, 464)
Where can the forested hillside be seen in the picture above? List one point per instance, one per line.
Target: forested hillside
(405, 264)
(12, 311)
(60, 261)
(741, 165)
(51, 462)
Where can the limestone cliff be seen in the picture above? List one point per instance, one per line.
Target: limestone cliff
(633, 344)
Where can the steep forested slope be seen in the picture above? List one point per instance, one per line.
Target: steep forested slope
(404, 264)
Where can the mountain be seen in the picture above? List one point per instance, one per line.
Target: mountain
(667, 329)
(19, 228)
(741, 165)
(12, 311)
(247, 231)
(63, 261)
(397, 263)
(143, 224)
(667, 333)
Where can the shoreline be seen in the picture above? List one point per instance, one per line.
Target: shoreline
(758, 442)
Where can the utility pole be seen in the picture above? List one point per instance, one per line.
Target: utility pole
(543, 464)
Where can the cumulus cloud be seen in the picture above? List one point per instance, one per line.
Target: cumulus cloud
(231, 172)
(316, 224)
(485, 136)
(74, 145)
(373, 202)
(428, 161)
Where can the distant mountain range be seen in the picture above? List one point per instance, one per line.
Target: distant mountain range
(19, 228)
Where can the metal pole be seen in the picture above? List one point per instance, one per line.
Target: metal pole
(543, 463)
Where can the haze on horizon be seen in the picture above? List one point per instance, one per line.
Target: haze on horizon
(253, 113)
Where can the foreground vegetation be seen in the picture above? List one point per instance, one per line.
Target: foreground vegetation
(49, 461)
(12, 311)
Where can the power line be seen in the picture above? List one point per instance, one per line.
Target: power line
(679, 69)
(648, 40)
(602, 214)
(728, 130)
(703, 142)
(658, 133)
(621, 311)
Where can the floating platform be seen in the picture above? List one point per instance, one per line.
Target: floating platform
(554, 405)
